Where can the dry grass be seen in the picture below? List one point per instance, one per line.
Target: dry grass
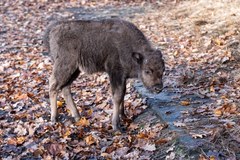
(216, 16)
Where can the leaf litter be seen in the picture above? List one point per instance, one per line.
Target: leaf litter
(200, 41)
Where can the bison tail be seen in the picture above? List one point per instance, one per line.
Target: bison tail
(46, 34)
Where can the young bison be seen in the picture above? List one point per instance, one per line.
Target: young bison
(113, 46)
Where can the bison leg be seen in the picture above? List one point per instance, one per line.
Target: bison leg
(118, 85)
(118, 97)
(122, 113)
(53, 97)
(70, 103)
(64, 73)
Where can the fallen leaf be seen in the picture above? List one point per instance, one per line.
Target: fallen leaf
(198, 135)
(59, 103)
(122, 151)
(67, 133)
(90, 112)
(142, 135)
(132, 155)
(217, 112)
(89, 140)
(20, 130)
(106, 155)
(21, 96)
(212, 158)
(54, 148)
(83, 122)
(179, 124)
(230, 108)
(162, 141)
(12, 141)
(212, 88)
(229, 125)
(20, 140)
(110, 149)
(202, 157)
(38, 152)
(171, 156)
(16, 141)
(117, 133)
(149, 147)
(185, 103)
(219, 42)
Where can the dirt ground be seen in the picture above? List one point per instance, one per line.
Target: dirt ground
(200, 41)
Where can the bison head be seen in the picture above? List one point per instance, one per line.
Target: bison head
(152, 69)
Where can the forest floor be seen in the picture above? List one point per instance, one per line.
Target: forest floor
(200, 41)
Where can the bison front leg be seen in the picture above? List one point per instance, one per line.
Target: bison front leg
(118, 97)
(122, 113)
(118, 85)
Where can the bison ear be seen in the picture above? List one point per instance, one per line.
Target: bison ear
(138, 57)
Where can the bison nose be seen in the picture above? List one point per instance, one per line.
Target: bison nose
(158, 88)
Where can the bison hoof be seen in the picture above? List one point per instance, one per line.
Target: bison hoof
(118, 129)
(115, 128)
(124, 117)
(77, 118)
(53, 120)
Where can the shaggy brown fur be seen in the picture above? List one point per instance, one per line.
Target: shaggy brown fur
(113, 46)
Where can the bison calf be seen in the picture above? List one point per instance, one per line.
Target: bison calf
(113, 46)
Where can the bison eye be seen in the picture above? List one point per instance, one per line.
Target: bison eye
(147, 71)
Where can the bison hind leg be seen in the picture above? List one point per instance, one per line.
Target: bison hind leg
(66, 91)
(53, 97)
(61, 79)
(70, 103)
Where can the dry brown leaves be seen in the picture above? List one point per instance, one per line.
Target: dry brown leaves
(24, 113)
(200, 53)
